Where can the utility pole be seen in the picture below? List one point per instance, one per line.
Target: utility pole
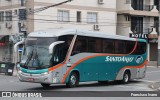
(158, 63)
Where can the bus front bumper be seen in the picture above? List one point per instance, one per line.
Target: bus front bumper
(36, 78)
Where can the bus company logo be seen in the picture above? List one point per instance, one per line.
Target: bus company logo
(139, 59)
(119, 59)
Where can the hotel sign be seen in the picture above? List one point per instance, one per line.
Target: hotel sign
(141, 36)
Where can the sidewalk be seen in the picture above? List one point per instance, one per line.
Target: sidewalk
(152, 63)
(155, 86)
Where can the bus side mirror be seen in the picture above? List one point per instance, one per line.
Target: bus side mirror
(51, 47)
(16, 46)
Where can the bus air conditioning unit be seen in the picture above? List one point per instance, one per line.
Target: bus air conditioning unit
(8, 25)
(96, 27)
(100, 1)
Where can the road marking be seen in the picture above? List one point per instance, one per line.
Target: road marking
(147, 81)
(152, 66)
(153, 72)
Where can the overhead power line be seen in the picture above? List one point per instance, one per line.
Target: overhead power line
(44, 8)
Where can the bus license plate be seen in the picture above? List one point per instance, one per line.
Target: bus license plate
(31, 79)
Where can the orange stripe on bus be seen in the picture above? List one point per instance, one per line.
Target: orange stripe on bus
(75, 64)
(140, 66)
(81, 60)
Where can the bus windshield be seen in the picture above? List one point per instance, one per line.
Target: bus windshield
(36, 53)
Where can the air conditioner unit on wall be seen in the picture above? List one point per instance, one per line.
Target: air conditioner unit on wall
(22, 24)
(8, 25)
(96, 27)
(100, 1)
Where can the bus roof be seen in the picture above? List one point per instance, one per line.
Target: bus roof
(61, 32)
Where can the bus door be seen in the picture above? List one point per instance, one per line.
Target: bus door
(59, 55)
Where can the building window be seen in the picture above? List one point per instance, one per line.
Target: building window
(63, 15)
(92, 17)
(156, 23)
(22, 2)
(1, 16)
(8, 15)
(78, 16)
(137, 24)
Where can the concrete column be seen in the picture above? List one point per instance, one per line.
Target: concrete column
(151, 2)
(158, 64)
(148, 51)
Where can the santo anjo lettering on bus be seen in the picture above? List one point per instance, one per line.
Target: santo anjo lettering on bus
(119, 59)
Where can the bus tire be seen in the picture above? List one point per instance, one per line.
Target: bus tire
(73, 80)
(45, 85)
(126, 77)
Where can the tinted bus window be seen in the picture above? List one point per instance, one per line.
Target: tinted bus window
(129, 46)
(66, 38)
(80, 45)
(120, 47)
(108, 46)
(94, 45)
(141, 48)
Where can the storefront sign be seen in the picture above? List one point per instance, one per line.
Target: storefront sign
(2, 44)
(141, 36)
(153, 41)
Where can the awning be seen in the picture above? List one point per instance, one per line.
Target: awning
(2, 36)
(153, 36)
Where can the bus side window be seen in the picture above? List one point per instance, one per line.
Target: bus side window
(141, 48)
(80, 46)
(108, 46)
(129, 46)
(91, 45)
(120, 47)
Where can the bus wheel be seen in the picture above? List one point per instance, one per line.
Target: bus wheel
(126, 77)
(73, 80)
(45, 85)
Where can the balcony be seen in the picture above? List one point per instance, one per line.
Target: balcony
(128, 8)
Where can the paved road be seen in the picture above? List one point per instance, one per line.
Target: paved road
(11, 83)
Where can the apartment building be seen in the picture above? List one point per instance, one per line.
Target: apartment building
(140, 18)
(17, 19)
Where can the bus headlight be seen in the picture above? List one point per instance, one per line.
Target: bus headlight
(45, 73)
(19, 71)
(18, 67)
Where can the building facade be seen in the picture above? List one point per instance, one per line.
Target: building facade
(140, 18)
(20, 17)
(133, 18)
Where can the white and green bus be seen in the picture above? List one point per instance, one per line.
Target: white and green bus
(71, 56)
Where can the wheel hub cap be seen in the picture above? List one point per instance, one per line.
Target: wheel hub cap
(73, 80)
(126, 78)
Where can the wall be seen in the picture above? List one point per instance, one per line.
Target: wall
(107, 17)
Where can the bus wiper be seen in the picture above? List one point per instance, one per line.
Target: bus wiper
(29, 58)
(36, 60)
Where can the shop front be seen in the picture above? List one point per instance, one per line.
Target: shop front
(153, 47)
(6, 49)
